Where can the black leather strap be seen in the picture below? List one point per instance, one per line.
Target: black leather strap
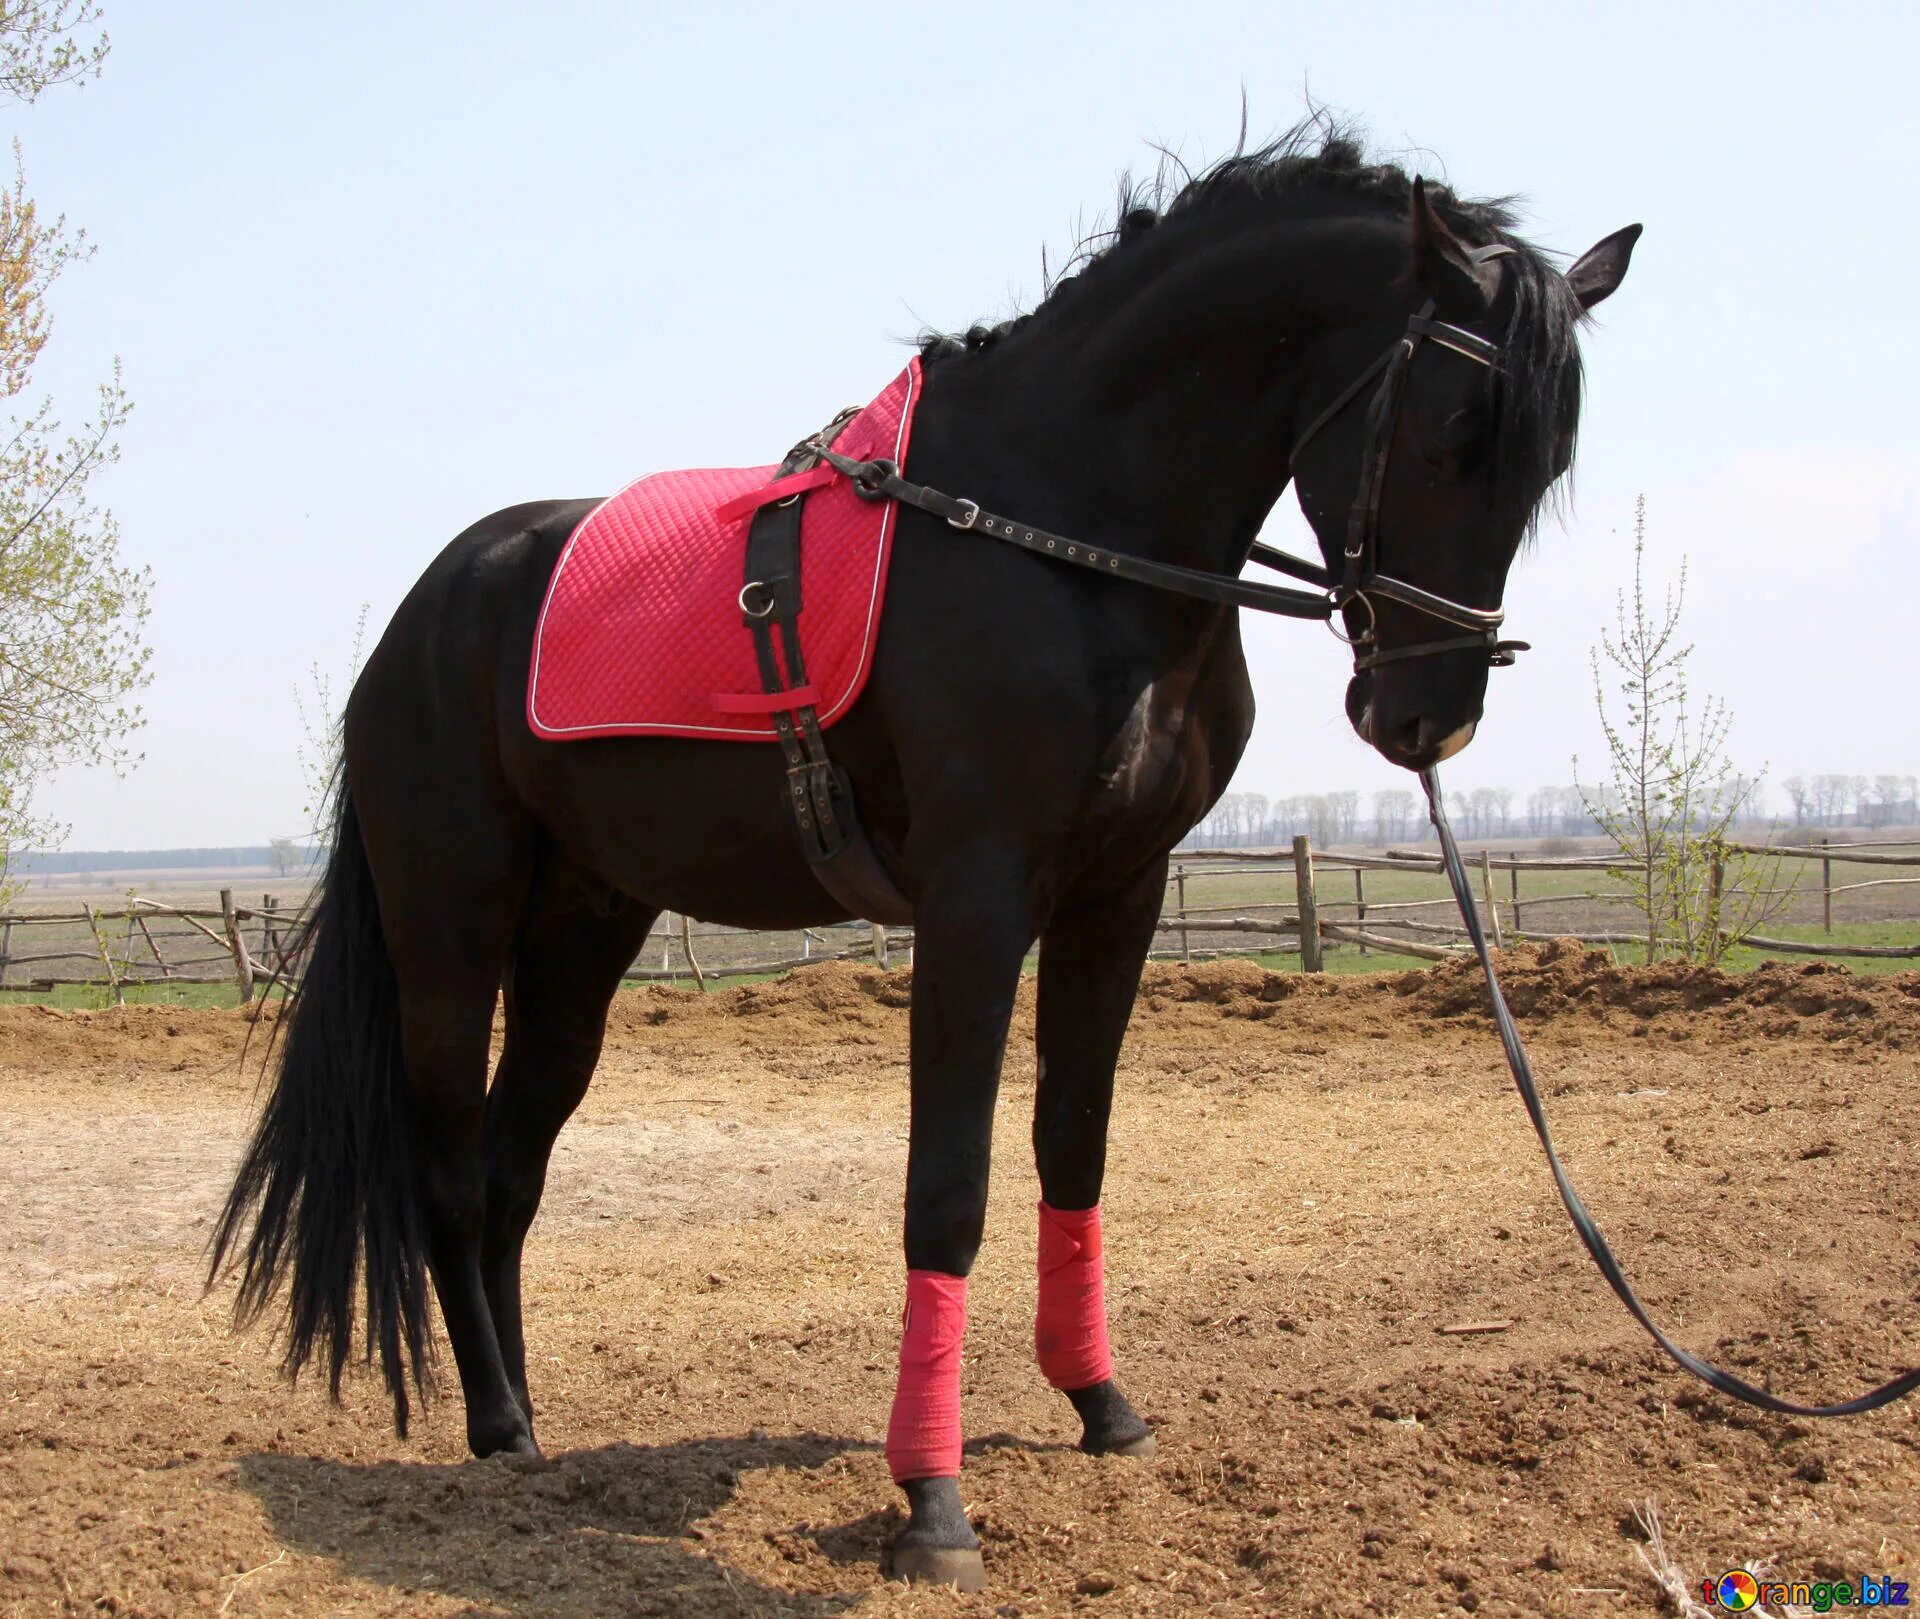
(1341, 400)
(1499, 653)
(818, 792)
(1285, 562)
(1583, 1222)
(881, 480)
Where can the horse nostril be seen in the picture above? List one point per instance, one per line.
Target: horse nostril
(1408, 737)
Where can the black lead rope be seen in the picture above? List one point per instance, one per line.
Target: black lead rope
(1583, 1223)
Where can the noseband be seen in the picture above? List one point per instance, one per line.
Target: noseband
(1360, 582)
(1360, 578)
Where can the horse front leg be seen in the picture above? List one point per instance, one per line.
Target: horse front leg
(1090, 961)
(972, 929)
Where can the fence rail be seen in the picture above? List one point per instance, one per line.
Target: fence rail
(1319, 901)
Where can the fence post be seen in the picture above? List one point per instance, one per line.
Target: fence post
(1360, 904)
(1716, 887)
(146, 933)
(1826, 888)
(1180, 890)
(1310, 960)
(1513, 887)
(1486, 887)
(6, 951)
(105, 952)
(880, 957)
(686, 945)
(242, 968)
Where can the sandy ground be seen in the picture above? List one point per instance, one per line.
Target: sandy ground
(1311, 1178)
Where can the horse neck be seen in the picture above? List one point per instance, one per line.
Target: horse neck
(1154, 410)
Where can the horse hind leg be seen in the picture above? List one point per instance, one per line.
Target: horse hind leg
(567, 965)
(449, 926)
(446, 1012)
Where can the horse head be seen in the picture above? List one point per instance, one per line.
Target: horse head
(1422, 499)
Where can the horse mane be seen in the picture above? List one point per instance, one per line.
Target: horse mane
(1537, 390)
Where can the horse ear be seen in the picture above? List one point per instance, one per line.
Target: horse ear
(1601, 269)
(1441, 262)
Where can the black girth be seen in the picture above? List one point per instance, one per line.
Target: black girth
(818, 791)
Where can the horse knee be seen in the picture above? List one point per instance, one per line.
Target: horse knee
(945, 1223)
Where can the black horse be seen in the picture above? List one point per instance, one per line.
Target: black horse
(1032, 743)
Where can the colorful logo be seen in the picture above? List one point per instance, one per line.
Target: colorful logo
(1737, 1590)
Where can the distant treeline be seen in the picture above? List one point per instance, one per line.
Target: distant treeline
(73, 860)
(1398, 815)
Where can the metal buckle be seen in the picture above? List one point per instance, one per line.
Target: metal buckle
(972, 517)
(753, 612)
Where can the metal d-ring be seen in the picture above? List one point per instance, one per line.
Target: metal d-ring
(1338, 601)
(759, 612)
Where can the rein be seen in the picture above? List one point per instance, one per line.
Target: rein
(1583, 1222)
(1360, 581)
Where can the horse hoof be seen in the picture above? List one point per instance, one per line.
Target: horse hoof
(1144, 1446)
(965, 1569)
(521, 1445)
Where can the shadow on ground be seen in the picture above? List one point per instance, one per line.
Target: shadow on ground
(611, 1531)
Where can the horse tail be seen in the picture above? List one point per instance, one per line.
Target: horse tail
(330, 1177)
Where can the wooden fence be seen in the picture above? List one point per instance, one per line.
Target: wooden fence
(1303, 899)
(144, 944)
(1316, 911)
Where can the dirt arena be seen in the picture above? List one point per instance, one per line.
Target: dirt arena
(1312, 1177)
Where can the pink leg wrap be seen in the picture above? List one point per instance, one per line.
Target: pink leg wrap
(1070, 1321)
(923, 1437)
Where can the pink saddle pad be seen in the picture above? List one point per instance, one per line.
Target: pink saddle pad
(642, 633)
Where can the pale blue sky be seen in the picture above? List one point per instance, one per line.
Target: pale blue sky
(376, 270)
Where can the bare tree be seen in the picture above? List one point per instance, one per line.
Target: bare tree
(1676, 788)
(1344, 806)
(1393, 809)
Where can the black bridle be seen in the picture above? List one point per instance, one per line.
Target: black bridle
(1360, 577)
(1360, 581)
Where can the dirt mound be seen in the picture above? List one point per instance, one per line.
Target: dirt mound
(836, 1000)
(847, 1002)
(1816, 999)
(1556, 983)
(122, 1034)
